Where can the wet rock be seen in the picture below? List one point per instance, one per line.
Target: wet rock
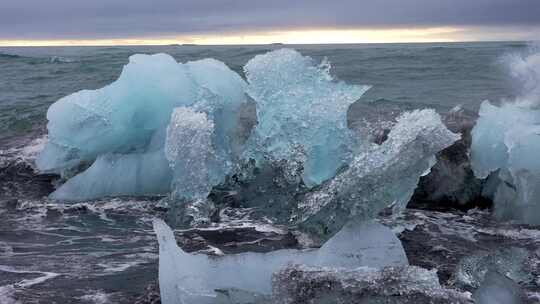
(444, 240)
(451, 184)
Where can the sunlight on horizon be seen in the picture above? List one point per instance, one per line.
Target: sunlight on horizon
(309, 36)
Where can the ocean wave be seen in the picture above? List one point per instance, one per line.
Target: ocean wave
(9, 56)
(60, 59)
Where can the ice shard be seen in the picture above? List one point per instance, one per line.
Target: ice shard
(505, 142)
(384, 176)
(197, 278)
(301, 112)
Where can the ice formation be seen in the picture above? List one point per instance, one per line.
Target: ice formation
(195, 278)
(505, 142)
(121, 128)
(302, 114)
(381, 177)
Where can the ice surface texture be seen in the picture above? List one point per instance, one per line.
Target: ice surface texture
(506, 141)
(194, 278)
(381, 177)
(122, 127)
(512, 262)
(389, 285)
(302, 113)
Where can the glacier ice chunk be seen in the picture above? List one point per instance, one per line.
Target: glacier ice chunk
(301, 112)
(381, 177)
(505, 143)
(117, 118)
(194, 278)
(122, 127)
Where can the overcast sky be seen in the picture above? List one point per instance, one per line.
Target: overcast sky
(105, 19)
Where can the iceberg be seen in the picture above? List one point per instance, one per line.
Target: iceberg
(197, 278)
(384, 176)
(121, 130)
(505, 141)
(302, 114)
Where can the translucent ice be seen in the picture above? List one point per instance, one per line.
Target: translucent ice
(189, 148)
(119, 175)
(302, 113)
(118, 118)
(383, 176)
(195, 278)
(505, 143)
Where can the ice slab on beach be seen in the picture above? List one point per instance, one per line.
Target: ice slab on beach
(505, 143)
(383, 176)
(301, 112)
(195, 278)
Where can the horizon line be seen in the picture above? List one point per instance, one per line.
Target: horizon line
(288, 37)
(268, 44)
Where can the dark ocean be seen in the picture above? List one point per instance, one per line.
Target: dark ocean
(105, 251)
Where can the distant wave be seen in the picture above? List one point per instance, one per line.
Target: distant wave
(38, 60)
(8, 56)
(60, 59)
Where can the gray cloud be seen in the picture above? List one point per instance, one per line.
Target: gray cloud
(51, 19)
